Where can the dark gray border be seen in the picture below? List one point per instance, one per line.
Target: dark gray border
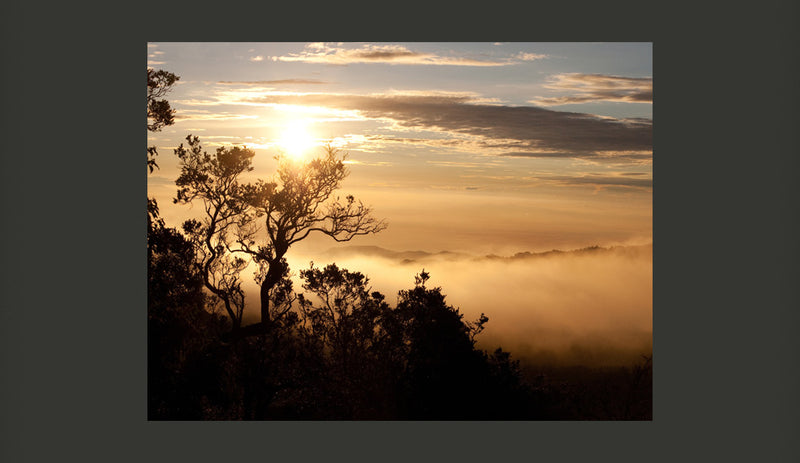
(726, 222)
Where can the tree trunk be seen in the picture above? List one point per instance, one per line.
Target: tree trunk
(274, 275)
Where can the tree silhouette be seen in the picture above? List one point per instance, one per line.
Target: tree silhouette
(347, 314)
(159, 112)
(179, 327)
(445, 375)
(297, 203)
(262, 220)
(415, 361)
(346, 322)
(214, 179)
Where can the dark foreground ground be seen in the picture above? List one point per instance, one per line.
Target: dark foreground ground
(591, 393)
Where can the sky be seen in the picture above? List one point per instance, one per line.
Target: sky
(474, 148)
(486, 148)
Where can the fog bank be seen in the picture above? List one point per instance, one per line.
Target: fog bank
(587, 307)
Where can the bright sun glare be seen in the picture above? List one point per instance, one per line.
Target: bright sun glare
(296, 140)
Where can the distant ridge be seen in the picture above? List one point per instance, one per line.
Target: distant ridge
(624, 250)
(376, 251)
(410, 257)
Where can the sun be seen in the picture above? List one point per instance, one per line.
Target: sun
(296, 140)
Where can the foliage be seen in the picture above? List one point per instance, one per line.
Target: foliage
(173, 280)
(416, 361)
(297, 202)
(214, 180)
(159, 112)
(445, 377)
(261, 221)
(346, 354)
(179, 326)
(346, 327)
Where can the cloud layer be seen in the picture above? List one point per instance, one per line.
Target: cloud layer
(623, 180)
(323, 53)
(587, 88)
(273, 82)
(518, 130)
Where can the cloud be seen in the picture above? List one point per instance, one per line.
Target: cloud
(154, 55)
(530, 56)
(200, 115)
(508, 130)
(273, 82)
(370, 53)
(628, 157)
(626, 180)
(598, 87)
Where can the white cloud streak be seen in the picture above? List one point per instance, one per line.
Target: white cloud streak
(322, 53)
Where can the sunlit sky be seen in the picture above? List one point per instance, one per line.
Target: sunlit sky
(472, 147)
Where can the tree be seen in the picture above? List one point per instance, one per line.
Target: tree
(347, 315)
(445, 376)
(343, 321)
(214, 179)
(416, 361)
(178, 326)
(159, 111)
(262, 220)
(173, 279)
(297, 203)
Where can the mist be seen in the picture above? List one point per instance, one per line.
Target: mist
(589, 307)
